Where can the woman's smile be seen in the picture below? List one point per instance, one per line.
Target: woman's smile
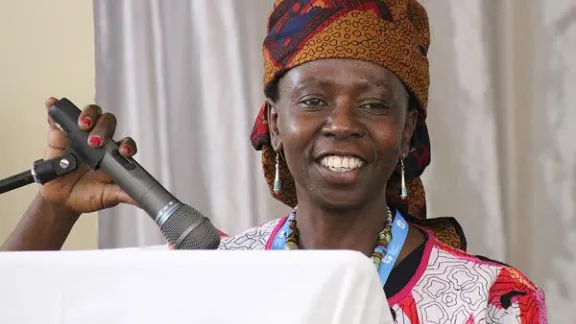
(340, 169)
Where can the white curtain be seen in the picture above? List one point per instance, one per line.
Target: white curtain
(184, 79)
(551, 137)
(502, 116)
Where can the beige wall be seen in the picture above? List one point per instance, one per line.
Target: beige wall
(46, 49)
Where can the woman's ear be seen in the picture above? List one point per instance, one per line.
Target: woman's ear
(409, 127)
(272, 116)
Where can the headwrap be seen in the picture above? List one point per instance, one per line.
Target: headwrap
(391, 33)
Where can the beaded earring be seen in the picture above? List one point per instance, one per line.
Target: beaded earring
(404, 190)
(277, 182)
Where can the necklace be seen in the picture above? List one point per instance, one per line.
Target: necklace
(384, 237)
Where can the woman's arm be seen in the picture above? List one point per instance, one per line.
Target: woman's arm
(43, 227)
(513, 298)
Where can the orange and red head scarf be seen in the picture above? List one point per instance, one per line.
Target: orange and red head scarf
(392, 33)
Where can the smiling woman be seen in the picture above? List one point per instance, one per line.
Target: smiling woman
(344, 141)
(344, 138)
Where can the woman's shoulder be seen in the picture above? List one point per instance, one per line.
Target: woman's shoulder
(511, 294)
(255, 238)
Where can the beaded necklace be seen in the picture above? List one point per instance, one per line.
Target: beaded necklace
(384, 237)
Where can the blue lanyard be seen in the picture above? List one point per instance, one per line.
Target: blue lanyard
(399, 233)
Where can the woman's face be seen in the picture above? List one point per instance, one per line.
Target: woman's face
(342, 125)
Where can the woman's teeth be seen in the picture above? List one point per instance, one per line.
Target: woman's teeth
(341, 163)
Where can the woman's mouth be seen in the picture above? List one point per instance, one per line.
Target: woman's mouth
(341, 169)
(341, 164)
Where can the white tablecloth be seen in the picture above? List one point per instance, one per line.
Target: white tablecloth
(115, 286)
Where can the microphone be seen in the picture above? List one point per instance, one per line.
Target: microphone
(181, 225)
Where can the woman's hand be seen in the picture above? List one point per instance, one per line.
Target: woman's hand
(85, 190)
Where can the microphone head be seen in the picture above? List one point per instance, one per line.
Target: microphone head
(187, 229)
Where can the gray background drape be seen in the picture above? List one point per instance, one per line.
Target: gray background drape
(184, 79)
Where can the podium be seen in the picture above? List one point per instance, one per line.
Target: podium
(212, 287)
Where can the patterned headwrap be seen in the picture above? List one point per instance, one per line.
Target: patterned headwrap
(391, 33)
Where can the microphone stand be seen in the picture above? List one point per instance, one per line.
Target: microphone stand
(42, 171)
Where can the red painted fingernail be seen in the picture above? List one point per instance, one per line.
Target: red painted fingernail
(86, 121)
(95, 141)
(127, 149)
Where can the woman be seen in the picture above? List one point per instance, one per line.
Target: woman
(343, 138)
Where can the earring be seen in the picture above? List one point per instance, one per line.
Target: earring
(404, 191)
(277, 182)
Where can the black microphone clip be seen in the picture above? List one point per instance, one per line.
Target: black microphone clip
(44, 171)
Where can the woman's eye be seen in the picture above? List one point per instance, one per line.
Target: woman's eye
(376, 106)
(313, 102)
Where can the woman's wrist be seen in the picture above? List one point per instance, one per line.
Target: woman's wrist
(59, 214)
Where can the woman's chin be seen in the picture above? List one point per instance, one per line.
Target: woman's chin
(339, 200)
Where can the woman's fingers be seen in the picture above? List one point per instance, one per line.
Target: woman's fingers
(103, 130)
